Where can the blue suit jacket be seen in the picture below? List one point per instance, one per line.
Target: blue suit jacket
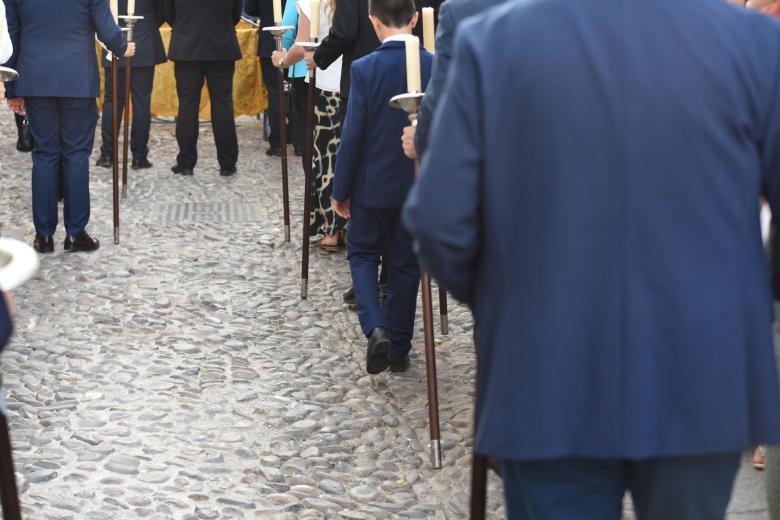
(54, 46)
(451, 14)
(591, 190)
(372, 169)
(6, 327)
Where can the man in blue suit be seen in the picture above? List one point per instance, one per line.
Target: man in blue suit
(451, 14)
(591, 190)
(54, 45)
(372, 180)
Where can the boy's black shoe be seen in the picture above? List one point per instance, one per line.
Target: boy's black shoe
(298, 152)
(104, 161)
(141, 164)
(43, 244)
(181, 170)
(399, 365)
(81, 242)
(227, 172)
(376, 352)
(274, 151)
(349, 297)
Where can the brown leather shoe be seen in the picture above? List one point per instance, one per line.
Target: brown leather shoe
(81, 242)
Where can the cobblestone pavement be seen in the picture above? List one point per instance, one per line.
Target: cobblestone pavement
(179, 375)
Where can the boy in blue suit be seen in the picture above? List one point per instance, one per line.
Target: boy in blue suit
(372, 180)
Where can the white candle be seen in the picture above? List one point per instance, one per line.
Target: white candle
(131, 7)
(429, 33)
(278, 12)
(114, 4)
(314, 28)
(413, 82)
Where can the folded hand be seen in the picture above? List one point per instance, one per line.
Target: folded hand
(408, 142)
(130, 51)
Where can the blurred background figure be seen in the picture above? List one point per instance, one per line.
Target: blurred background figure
(57, 86)
(149, 51)
(204, 48)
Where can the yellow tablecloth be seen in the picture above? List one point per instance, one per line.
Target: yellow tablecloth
(249, 94)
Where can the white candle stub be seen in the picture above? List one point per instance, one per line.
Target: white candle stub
(429, 33)
(413, 82)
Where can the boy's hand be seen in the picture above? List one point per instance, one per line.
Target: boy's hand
(309, 58)
(130, 51)
(17, 105)
(342, 208)
(277, 57)
(408, 142)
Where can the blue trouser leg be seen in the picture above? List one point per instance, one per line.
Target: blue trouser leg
(44, 116)
(141, 84)
(675, 488)
(404, 283)
(78, 119)
(366, 241)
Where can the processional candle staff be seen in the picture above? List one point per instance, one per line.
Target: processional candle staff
(18, 263)
(308, 154)
(429, 40)
(410, 103)
(130, 20)
(278, 31)
(115, 125)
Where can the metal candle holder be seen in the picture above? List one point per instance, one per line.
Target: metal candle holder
(7, 74)
(410, 103)
(278, 32)
(308, 159)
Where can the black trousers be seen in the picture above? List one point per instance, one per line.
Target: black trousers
(141, 83)
(190, 76)
(271, 82)
(300, 96)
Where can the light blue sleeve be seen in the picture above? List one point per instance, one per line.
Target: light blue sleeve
(290, 18)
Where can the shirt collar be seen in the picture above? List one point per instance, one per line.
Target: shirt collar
(398, 38)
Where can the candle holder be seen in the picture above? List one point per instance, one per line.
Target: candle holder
(278, 32)
(130, 21)
(7, 74)
(409, 103)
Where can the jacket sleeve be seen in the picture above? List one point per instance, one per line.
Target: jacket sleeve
(342, 35)
(441, 65)
(238, 6)
(14, 32)
(170, 11)
(107, 30)
(290, 18)
(351, 139)
(442, 212)
(770, 151)
(6, 326)
(159, 12)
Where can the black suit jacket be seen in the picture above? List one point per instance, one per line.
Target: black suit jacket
(149, 50)
(351, 35)
(203, 30)
(263, 9)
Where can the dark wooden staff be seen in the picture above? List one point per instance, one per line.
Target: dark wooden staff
(115, 141)
(8, 491)
(443, 312)
(308, 163)
(479, 464)
(283, 143)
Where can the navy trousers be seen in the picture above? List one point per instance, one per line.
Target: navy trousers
(271, 82)
(64, 131)
(372, 233)
(141, 83)
(677, 488)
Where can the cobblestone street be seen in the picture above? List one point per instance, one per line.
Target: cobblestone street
(179, 375)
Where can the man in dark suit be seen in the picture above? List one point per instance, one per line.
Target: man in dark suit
(591, 190)
(451, 14)
(266, 45)
(204, 47)
(372, 180)
(149, 52)
(57, 86)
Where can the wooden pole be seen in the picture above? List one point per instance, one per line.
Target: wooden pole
(8, 490)
(430, 360)
(308, 161)
(115, 142)
(479, 465)
(128, 105)
(443, 312)
(283, 143)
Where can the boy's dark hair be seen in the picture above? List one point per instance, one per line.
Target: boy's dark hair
(392, 13)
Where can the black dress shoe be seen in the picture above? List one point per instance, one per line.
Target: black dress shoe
(349, 297)
(181, 170)
(81, 242)
(227, 172)
(399, 365)
(43, 244)
(104, 161)
(141, 164)
(273, 151)
(298, 152)
(376, 351)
